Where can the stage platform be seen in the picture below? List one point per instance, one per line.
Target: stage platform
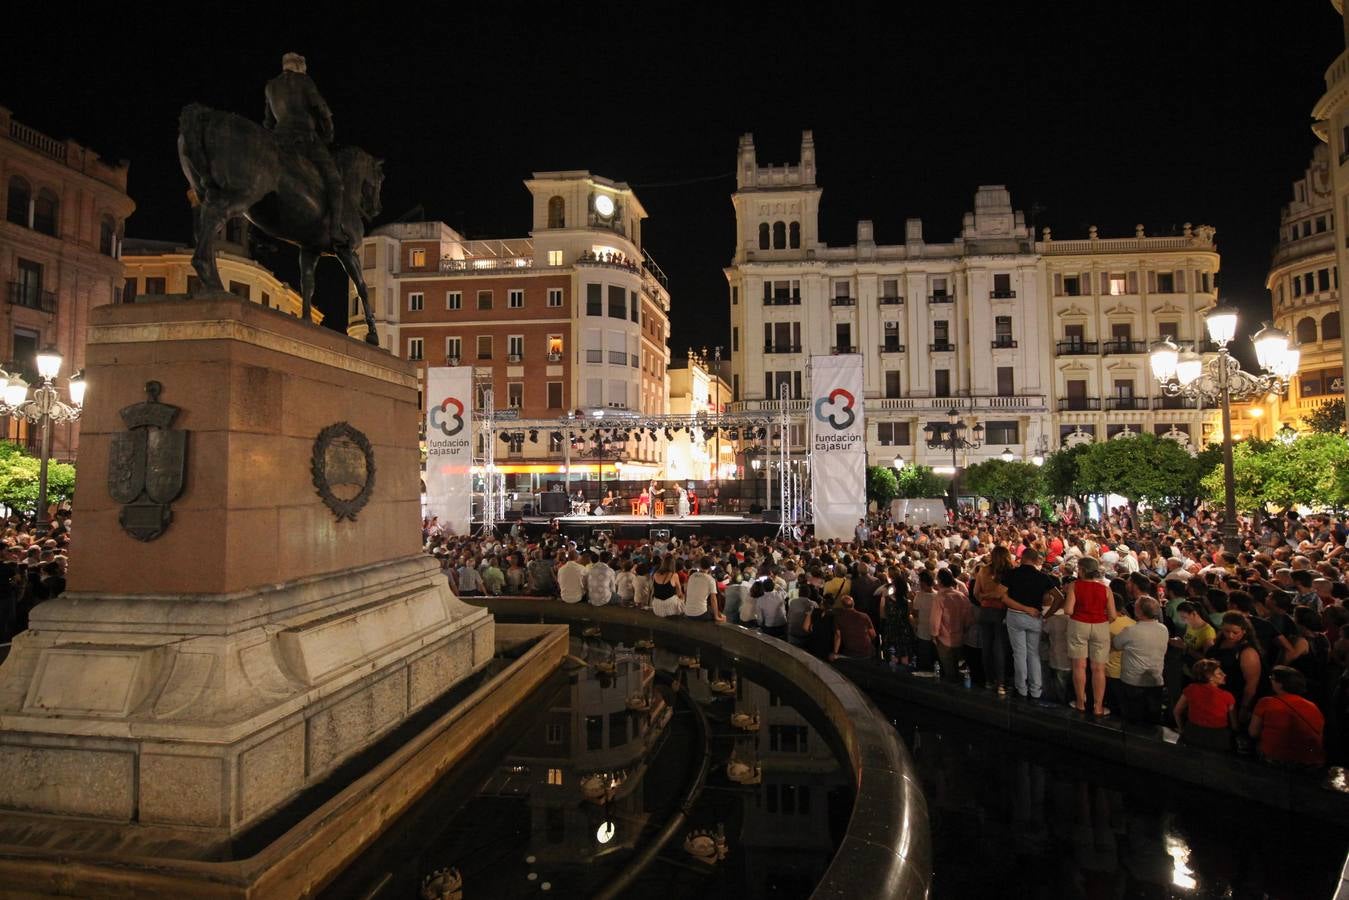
(639, 528)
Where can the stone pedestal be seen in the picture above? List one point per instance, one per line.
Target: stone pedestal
(204, 678)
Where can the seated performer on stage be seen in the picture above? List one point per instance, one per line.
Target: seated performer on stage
(607, 504)
(579, 505)
(693, 503)
(643, 503)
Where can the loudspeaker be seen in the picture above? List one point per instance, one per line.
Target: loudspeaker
(772, 515)
(553, 502)
(513, 515)
(658, 534)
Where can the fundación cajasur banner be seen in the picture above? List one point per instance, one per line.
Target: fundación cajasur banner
(449, 446)
(837, 445)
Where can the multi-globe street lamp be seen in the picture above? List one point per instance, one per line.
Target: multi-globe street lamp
(42, 410)
(1221, 380)
(953, 438)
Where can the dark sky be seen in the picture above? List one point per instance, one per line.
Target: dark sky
(1103, 113)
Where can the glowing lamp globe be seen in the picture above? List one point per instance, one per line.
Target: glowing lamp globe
(1270, 345)
(1164, 356)
(77, 388)
(49, 363)
(15, 391)
(1221, 322)
(1189, 367)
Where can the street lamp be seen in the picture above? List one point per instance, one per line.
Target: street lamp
(45, 408)
(1286, 434)
(1221, 380)
(1041, 448)
(899, 462)
(1007, 455)
(953, 438)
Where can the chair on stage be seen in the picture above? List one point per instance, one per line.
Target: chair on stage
(660, 507)
(636, 507)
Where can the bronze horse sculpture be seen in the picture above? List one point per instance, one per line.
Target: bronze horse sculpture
(237, 167)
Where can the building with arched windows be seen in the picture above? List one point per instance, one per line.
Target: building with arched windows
(1330, 123)
(60, 254)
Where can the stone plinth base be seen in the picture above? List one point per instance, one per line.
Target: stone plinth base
(212, 712)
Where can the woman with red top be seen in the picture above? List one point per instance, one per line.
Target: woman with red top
(1090, 608)
(1205, 713)
(1289, 728)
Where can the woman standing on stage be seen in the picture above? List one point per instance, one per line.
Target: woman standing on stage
(683, 501)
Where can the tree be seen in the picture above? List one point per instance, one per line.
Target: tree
(1328, 418)
(1307, 472)
(882, 486)
(1142, 468)
(1060, 473)
(921, 481)
(1017, 482)
(19, 475)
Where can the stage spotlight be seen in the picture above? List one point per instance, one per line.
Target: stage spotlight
(556, 435)
(734, 435)
(505, 437)
(533, 435)
(669, 435)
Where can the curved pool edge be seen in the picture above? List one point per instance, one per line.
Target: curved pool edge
(887, 850)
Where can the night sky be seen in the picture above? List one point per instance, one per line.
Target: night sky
(1104, 113)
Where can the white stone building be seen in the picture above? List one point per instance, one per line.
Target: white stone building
(1032, 340)
(1331, 124)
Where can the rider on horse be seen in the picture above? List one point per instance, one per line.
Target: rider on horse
(298, 117)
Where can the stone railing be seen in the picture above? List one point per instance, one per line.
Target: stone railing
(36, 140)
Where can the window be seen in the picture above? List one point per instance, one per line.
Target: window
(107, 230)
(779, 236)
(454, 300)
(1308, 283)
(416, 258)
(1006, 388)
(555, 395)
(1002, 332)
(763, 232)
(368, 256)
(1121, 332)
(842, 290)
(266, 299)
(735, 339)
(1205, 281)
(416, 302)
(1323, 279)
(735, 387)
(1116, 284)
(453, 350)
(618, 307)
(555, 441)
(941, 383)
(1297, 286)
(1124, 388)
(484, 299)
(1002, 285)
(1166, 283)
(515, 347)
(890, 289)
(554, 257)
(939, 287)
(239, 289)
(632, 306)
(155, 287)
(794, 235)
(1330, 327)
(1071, 285)
(18, 201)
(893, 434)
(555, 297)
(594, 300)
(618, 394)
(552, 734)
(843, 337)
(557, 212)
(1005, 433)
(892, 384)
(484, 346)
(594, 732)
(129, 290)
(414, 348)
(1306, 330)
(554, 348)
(594, 392)
(45, 209)
(941, 333)
(735, 296)
(1169, 330)
(515, 394)
(1075, 390)
(891, 332)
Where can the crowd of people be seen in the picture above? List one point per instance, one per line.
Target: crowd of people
(32, 568)
(1154, 622)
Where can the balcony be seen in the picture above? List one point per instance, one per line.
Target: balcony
(555, 357)
(941, 298)
(841, 349)
(32, 296)
(842, 301)
(892, 347)
(783, 300)
(1175, 403)
(1126, 404)
(594, 356)
(1002, 295)
(941, 347)
(782, 348)
(891, 301)
(1079, 404)
(609, 261)
(451, 360)
(618, 357)
(1076, 348)
(1124, 346)
(515, 357)
(1003, 343)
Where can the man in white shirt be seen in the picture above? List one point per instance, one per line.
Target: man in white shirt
(571, 580)
(600, 580)
(624, 586)
(700, 593)
(1144, 654)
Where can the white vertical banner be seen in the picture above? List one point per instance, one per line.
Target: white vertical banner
(838, 445)
(449, 446)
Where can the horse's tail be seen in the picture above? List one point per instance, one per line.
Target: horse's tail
(193, 122)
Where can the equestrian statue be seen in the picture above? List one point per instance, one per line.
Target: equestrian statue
(283, 178)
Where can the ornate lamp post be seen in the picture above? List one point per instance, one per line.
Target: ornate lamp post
(1221, 380)
(899, 462)
(43, 409)
(1041, 448)
(953, 438)
(1285, 435)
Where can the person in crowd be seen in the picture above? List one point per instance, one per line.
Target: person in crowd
(772, 608)
(1289, 729)
(667, 592)
(571, 578)
(991, 594)
(951, 616)
(600, 581)
(1142, 648)
(1205, 712)
(1238, 652)
(854, 635)
(700, 594)
(1028, 592)
(921, 612)
(1090, 607)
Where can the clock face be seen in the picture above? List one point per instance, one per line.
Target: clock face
(604, 205)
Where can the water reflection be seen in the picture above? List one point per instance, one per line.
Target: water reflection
(605, 764)
(1054, 823)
